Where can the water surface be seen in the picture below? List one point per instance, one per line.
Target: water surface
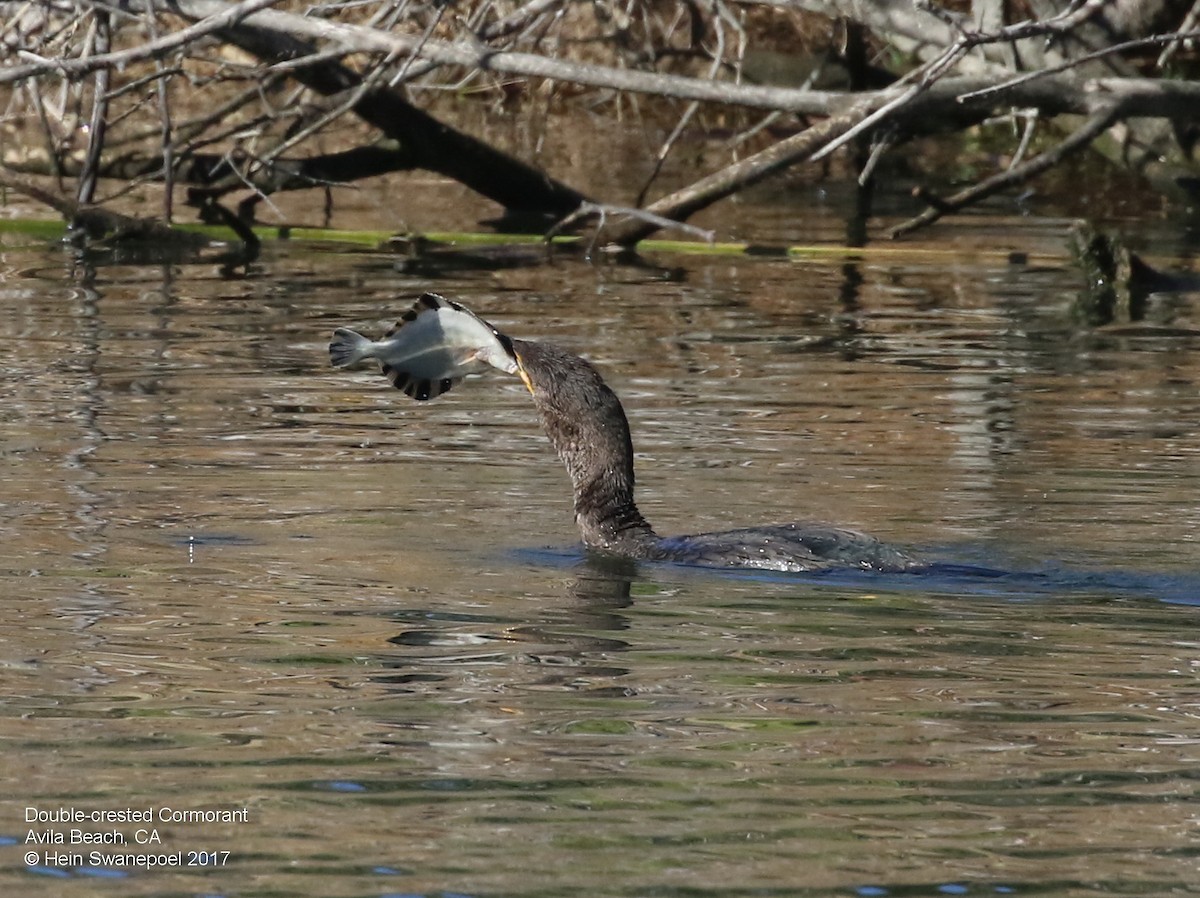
(236, 578)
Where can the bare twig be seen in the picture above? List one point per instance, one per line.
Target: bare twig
(1009, 84)
(752, 170)
(1031, 122)
(931, 72)
(165, 137)
(684, 119)
(1078, 140)
(223, 18)
(602, 211)
(99, 121)
(937, 68)
(348, 102)
(1188, 24)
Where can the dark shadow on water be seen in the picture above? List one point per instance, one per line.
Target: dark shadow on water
(965, 572)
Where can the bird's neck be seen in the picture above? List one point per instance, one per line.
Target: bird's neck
(608, 518)
(584, 420)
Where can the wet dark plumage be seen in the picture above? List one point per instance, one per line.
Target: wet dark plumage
(585, 421)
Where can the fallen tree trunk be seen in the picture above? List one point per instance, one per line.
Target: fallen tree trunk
(272, 33)
(974, 68)
(422, 140)
(953, 100)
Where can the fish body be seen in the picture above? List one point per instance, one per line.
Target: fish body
(433, 346)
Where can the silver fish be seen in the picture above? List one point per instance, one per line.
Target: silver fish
(433, 346)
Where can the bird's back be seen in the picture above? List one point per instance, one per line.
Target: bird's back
(793, 547)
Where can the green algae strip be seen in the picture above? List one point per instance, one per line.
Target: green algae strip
(54, 229)
(48, 229)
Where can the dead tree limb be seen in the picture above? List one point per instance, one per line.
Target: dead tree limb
(938, 104)
(102, 224)
(1075, 54)
(1079, 140)
(1057, 94)
(99, 121)
(469, 54)
(682, 204)
(274, 26)
(424, 141)
(154, 49)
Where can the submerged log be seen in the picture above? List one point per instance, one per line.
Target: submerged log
(1117, 283)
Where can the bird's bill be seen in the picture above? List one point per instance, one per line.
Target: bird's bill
(524, 377)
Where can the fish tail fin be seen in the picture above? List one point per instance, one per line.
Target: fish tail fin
(348, 347)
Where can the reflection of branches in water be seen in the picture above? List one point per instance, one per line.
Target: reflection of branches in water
(93, 523)
(566, 654)
(561, 650)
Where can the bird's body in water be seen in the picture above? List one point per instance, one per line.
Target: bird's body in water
(585, 422)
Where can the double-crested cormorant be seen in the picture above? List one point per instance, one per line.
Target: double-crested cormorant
(587, 426)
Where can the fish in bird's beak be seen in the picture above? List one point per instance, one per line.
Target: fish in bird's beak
(435, 345)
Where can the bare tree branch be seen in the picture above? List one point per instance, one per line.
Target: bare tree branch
(686, 202)
(1019, 174)
(104, 105)
(224, 18)
(99, 121)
